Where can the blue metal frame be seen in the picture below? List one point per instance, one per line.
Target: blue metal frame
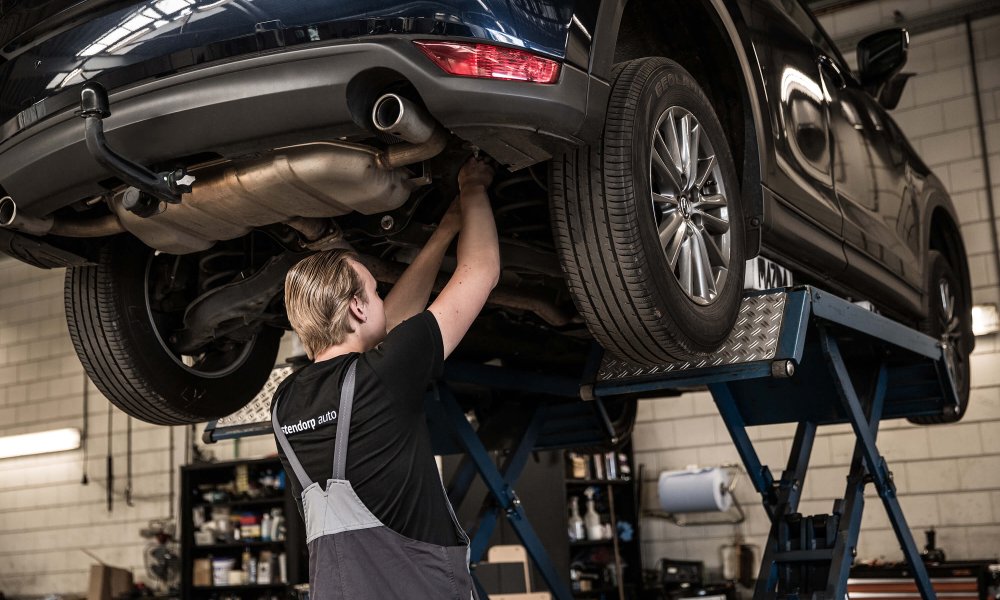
(903, 368)
(556, 418)
(892, 372)
(918, 381)
(865, 429)
(499, 484)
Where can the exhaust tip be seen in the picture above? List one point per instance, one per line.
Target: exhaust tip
(8, 211)
(402, 118)
(387, 112)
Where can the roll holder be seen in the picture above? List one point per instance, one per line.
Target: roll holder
(739, 515)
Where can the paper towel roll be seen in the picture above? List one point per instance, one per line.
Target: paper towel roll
(695, 490)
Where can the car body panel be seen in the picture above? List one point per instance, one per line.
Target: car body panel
(45, 67)
(802, 205)
(237, 107)
(878, 197)
(849, 189)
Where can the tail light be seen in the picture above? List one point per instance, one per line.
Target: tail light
(471, 59)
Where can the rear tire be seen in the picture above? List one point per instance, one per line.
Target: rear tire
(948, 319)
(112, 329)
(612, 203)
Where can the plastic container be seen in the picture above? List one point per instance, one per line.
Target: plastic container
(221, 567)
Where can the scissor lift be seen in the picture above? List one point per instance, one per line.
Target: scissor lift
(796, 355)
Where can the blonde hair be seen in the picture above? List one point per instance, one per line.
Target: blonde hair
(318, 292)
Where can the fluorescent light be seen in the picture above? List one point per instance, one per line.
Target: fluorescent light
(137, 22)
(113, 36)
(169, 7)
(985, 319)
(41, 442)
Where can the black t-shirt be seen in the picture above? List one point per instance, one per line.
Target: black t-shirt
(390, 463)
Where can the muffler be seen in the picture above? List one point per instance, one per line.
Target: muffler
(228, 200)
(303, 185)
(315, 180)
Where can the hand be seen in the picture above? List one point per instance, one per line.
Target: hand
(452, 220)
(475, 172)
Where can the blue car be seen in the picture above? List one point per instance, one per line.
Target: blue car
(178, 156)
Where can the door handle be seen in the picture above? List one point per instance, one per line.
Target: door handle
(828, 65)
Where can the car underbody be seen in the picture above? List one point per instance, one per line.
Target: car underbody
(635, 179)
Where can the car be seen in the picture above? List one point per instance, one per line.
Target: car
(178, 156)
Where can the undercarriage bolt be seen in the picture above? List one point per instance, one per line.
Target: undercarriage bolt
(388, 222)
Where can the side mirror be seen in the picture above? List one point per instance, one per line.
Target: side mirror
(881, 57)
(891, 92)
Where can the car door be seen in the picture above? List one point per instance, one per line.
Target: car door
(804, 215)
(871, 183)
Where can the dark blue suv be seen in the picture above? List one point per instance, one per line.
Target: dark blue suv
(177, 156)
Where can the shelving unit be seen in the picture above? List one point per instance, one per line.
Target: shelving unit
(618, 501)
(195, 480)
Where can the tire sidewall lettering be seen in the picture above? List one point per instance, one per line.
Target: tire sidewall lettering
(666, 87)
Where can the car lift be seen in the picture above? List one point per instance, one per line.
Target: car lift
(797, 355)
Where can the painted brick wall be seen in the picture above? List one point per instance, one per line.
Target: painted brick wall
(948, 476)
(47, 517)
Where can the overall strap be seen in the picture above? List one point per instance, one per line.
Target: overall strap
(344, 422)
(293, 460)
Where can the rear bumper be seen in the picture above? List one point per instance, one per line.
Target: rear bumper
(291, 97)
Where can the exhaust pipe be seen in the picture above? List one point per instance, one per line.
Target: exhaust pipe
(404, 119)
(400, 117)
(10, 218)
(316, 181)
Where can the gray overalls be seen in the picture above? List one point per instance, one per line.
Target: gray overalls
(352, 555)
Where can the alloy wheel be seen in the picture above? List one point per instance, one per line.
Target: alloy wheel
(690, 205)
(951, 330)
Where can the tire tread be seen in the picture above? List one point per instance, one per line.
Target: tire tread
(593, 217)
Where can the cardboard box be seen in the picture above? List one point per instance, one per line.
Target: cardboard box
(108, 583)
(202, 575)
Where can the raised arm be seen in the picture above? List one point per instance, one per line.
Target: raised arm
(410, 293)
(478, 270)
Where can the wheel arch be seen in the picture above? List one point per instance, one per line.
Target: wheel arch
(713, 46)
(945, 236)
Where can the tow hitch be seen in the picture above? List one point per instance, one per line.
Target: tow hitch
(149, 189)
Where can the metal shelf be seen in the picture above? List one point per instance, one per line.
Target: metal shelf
(589, 482)
(275, 500)
(238, 545)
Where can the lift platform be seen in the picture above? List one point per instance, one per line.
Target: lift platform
(804, 356)
(797, 355)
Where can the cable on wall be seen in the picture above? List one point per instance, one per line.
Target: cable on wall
(84, 428)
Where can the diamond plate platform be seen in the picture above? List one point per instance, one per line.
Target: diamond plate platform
(754, 338)
(252, 419)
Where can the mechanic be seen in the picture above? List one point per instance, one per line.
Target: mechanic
(381, 526)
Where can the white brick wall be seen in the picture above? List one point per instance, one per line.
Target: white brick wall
(47, 517)
(947, 476)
